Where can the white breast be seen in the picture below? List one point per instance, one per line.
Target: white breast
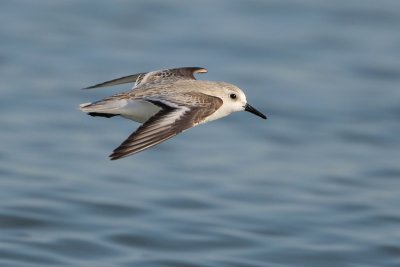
(220, 113)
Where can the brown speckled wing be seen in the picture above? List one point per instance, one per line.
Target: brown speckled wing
(172, 119)
(153, 77)
(160, 76)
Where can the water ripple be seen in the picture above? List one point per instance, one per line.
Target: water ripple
(314, 185)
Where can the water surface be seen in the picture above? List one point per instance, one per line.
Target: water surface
(317, 184)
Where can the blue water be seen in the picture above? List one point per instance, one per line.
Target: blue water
(317, 184)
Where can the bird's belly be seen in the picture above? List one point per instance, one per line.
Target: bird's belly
(138, 110)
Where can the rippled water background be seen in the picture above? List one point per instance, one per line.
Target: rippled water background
(318, 184)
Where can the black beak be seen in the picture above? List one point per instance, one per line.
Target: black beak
(254, 111)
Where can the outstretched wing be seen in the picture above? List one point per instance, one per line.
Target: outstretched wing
(126, 79)
(172, 119)
(157, 76)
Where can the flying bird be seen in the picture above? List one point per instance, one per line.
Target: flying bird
(166, 102)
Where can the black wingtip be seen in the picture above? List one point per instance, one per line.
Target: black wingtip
(115, 155)
(91, 87)
(113, 158)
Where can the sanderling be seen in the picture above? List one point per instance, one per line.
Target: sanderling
(167, 102)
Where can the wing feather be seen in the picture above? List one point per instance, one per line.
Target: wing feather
(122, 80)
(158, 76)
(168, 122)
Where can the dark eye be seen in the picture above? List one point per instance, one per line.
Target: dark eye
(233, 96)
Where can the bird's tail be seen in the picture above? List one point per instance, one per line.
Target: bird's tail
(102, 108)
